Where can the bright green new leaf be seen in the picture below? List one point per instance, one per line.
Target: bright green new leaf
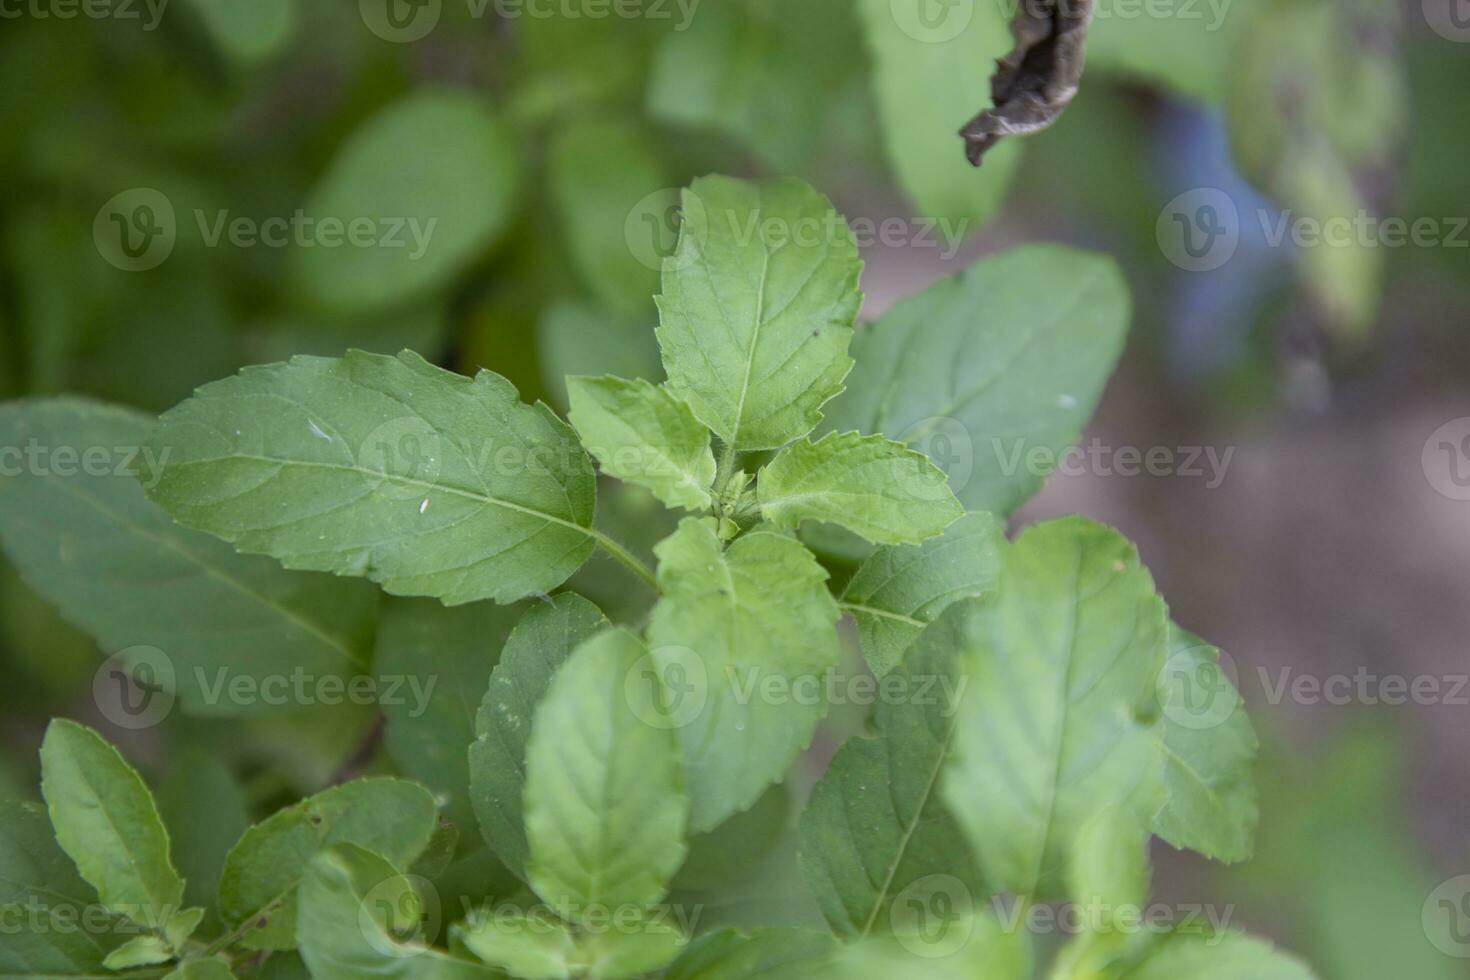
(544, 948)
(757, 308)
(1217, 957)
(876, 835)
(873, 486)
(601, 172)
(391, 817)
(540, 643)
(642, 434)
(408, 223)
(437, 660)
(897, 591)
(85, 537)
(1209, 753)
(145, 950)
(538, 947)
(605, 811)
(931, 74)
(425, 481)
(992, 373)
(1058, 719)
(741, 640)
(107, 822)
(360, 917)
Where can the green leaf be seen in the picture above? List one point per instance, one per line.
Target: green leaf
(538, 947)
(540, 643)
(632, 950)
(963, 945)
(391, 817)
(85, 537)
(1109, 866)
(605, 812)
(107, 822)
(870, 485)
(430, 213)
(1058, 716)
(731, 623)
(929, 79)
(897, 591)
(139, 951)
(33, 867)
(733, 851)
(876, 834)
(766, 954)
(207, 969)
(992, 373)
(58, 949)
(757, 308)
(602, 172)
(436, 660)
(1209, 753)
(360, 918)
(1217, 957)
(36, 879)
(544, 948)
(205, 812)
(425, 481)
(642, 434)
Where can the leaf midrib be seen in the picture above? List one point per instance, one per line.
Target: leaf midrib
(398, 479)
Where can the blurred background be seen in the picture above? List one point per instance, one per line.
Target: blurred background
(1284, 182)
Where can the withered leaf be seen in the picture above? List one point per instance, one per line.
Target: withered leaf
(1038, 79)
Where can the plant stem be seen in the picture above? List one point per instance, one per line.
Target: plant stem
(629, 560)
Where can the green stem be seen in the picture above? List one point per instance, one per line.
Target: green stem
(629, 560)
(724, 470)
